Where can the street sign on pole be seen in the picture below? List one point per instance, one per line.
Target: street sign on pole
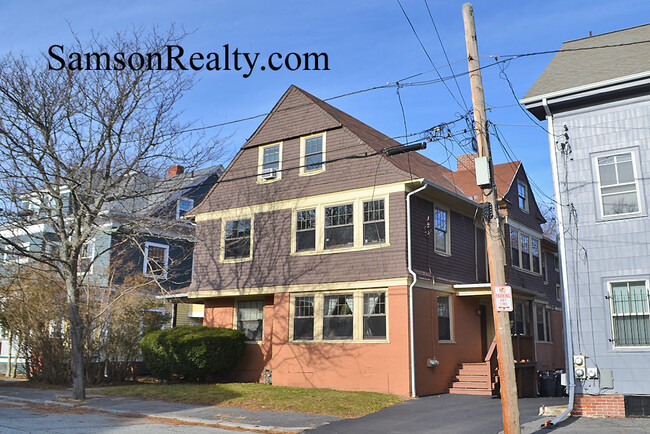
(503, 298)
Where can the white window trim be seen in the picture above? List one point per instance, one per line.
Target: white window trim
(558, 291)
(260, 163)
(222, 250)
(235, 311)
(546, 323)
(611, 312)
(447, 251)
(178, 206)
(452, 336)
(639, 185)
(357, 212)
(357, 317)
(531, 235)
(544, 266)
(303, 169)
(92, 258)
(148, 244)
(526, 209)
(19, 259)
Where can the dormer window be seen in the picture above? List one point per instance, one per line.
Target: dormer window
(183, 206)
(522, 193)
(270, 162)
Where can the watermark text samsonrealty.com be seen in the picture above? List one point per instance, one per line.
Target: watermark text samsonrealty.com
(174, 57)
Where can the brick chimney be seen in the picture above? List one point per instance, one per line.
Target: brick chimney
(175, 170)
(466, 162)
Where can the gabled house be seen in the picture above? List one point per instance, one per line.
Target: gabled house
(595, 97)
(140, 238)
(351, 269)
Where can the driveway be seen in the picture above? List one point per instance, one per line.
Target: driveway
(441, 414)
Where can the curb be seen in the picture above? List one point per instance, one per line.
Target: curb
(188, 420)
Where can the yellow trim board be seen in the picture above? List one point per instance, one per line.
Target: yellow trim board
(310, 287)
(307, 201)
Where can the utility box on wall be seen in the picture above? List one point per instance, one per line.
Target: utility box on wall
(482, 166)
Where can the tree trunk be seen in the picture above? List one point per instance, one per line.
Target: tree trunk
(11, 342)
(76, 339)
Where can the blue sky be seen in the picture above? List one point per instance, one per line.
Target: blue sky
(369, 43)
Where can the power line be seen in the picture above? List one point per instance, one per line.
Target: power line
(429, 57)
(569, 50)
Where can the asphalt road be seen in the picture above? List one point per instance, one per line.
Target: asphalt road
(18, 417)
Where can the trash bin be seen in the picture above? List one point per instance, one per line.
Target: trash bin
(558, 388)
(546, 381)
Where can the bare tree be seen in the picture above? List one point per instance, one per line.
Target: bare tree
(76, 144)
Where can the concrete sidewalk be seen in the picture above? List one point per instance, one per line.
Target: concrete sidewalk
(224, 417)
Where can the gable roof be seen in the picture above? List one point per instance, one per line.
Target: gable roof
(504, 175)
(573, 66)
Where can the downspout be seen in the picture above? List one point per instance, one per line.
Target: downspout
(415, 279)
(568, 342)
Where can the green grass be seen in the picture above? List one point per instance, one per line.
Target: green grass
(261, 397)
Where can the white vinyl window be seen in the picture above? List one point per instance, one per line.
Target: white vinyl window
(250, 319)
(339, 226)
(86, 257)
(374, 224)
(303, 320)
(619, 194)
(182, 206)
(522, 195)
(441, 239)
(237, 239)
(630, 313)
(270, 162)
(444, 318)
(374, 315)
(520, 318)
(156, 259)
(312, 154)
(543, 323)
(525, 251)
(305, 230)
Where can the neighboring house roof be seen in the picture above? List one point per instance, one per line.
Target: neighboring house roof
(573, 66)
(157, 192)
(504, 175)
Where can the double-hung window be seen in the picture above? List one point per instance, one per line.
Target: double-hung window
(374, 225)
(250, 319)
(617, 185)
(270, 162)
(522, 195)
(339, 226)
(543, 320)
(86, 257)
(630, 313)
(306, 230)
(312, 153)
(525, 251)
(156, 259)
(183, 205)
(303, 320)
(444, 318)
(374, 315)
(338, 316)
(237, 239)
(521, 318)
(441, 230)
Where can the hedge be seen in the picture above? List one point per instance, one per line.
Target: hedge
(191, 352)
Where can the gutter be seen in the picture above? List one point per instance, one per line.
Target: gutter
(568, 343)
(415, 279)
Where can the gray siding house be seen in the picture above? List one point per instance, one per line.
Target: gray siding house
(595, 97)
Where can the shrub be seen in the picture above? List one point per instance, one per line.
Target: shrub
(194, 353)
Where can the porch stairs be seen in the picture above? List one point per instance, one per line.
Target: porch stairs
(473, 379)
(477, 378)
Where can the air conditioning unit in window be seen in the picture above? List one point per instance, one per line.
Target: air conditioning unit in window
(268, 174)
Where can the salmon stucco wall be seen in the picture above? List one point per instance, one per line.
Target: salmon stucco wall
(465, 347)
(376, 367)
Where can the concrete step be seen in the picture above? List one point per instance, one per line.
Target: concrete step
(484, 392)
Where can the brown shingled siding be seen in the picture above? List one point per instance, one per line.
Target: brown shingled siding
(459, 267)
(273, 265)
(531, 219)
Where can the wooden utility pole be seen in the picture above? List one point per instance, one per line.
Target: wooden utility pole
(494, 235)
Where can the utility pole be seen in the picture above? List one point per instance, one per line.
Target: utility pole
(494, 235)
